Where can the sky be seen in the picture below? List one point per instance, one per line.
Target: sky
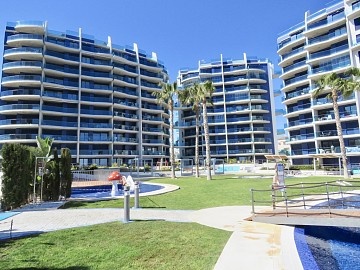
(181, 32)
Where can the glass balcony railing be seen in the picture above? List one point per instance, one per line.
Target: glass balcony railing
(330, 35)
(61, 137)
(15, 78)
(22, 64)
(60, 95)
(299, 107)
(22, 50)
(236, 119)
(59, 109)
(95, 152)
(124, 139)
(20, 107)
(297, 93)
(290, 39)
(295, 79)
(24, 36)
(293, 66)
(240, 140)
(329, 52)
(18, 137)
(331, 66)
(19, 122)
(355, 6)
(330, 19)
(31, 92)
(293, 52)
(30, 23)
(302, 137)
(293, 123)
(95, 125)
(126, 91)
(297, 152)
(96, 99)
(95, 112)
(95, 73)
(64, 82)
(65, 69)
(59, 123)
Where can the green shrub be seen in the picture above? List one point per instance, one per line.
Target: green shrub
(17, 170)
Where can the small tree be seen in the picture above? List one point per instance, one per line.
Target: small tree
(65, 169)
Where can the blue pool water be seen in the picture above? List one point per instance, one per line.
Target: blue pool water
(6, 215)
(329, 248)
(105, 190)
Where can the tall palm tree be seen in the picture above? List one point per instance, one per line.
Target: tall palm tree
(339, 86)
(166, 95)
(190, 96)
(205, 93)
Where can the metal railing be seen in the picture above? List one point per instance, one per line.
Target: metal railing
(326, 196)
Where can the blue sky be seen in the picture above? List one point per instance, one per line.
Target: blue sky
(180, 32)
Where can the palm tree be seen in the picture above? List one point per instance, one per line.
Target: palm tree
(205, 93)
(190, 96)
(166, 95)
(339, 86)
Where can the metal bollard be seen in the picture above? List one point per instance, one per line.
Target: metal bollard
(126, 204)
(136, 193)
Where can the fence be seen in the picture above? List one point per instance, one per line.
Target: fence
(324, 196)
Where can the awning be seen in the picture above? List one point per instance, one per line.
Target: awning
(281, 157)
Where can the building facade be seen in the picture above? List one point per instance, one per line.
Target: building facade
(91, 96)
(326, 41)
(241, 122)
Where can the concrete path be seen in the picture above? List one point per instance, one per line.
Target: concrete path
(252, 245)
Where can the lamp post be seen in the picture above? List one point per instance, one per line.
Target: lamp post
(42, 178)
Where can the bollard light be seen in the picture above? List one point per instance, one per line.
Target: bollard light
(126, 204)
(136, 193)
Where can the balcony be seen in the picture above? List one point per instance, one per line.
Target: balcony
(18, 40)
(21, 53)
(34, 27)
(300, 122)
(295, 80)
(18, 67)
(12, 137)
(329, 52)
(324, 25)
(327, 39)
(19, 122)
(17, 80)
(62, 124)
(306, 136)
(48, 108)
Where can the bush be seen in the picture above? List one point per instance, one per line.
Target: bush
(302, 167)
(17, 175)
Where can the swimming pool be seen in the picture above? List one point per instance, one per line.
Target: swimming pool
(321, 247)
(104, 191)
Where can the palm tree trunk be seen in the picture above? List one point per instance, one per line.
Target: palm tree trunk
(207, 141)
(197, 143)
(172, 155)
(340, 135)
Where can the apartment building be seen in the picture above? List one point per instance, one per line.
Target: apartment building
(241, 120)
(326, 41)
(94, 97)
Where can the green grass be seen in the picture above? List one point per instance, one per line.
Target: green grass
(136, 245)
(223, 190)
(144, 244)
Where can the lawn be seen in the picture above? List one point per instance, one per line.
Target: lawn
(136, 245)
(199, 193)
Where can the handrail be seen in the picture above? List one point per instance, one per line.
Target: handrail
(316, 195)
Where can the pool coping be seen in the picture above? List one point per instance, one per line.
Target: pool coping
(166, 188)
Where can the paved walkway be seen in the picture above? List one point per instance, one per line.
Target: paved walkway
(252, 245)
